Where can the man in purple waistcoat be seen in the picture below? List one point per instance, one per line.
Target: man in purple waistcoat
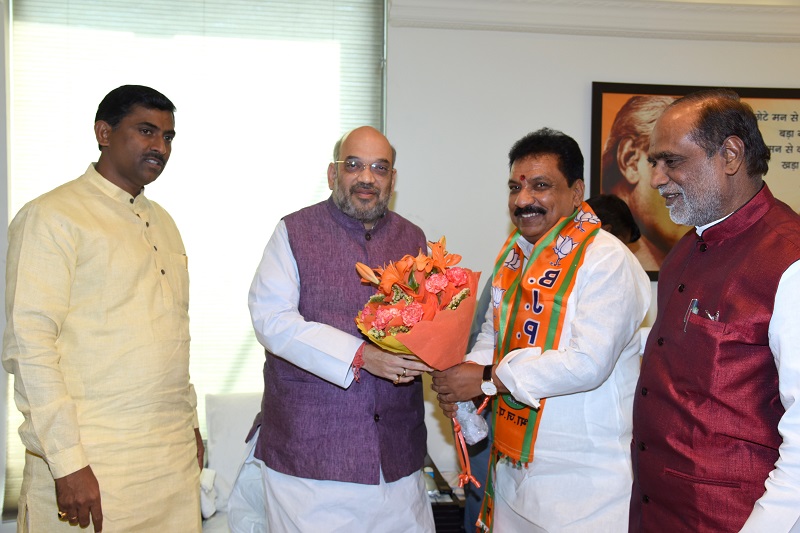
(716, 428)
(342, 438)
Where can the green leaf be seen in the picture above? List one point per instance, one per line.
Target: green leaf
(412, 281)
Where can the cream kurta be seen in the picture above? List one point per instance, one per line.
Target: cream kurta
(98, 340)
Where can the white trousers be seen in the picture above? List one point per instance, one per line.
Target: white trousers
(263, 500)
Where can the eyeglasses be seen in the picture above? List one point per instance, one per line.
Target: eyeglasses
(354, 165)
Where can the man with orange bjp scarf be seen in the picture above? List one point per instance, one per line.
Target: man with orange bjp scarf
(557, 354)
(342, 438)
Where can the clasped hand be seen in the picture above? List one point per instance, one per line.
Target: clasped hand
(458, 383)
(397, 368)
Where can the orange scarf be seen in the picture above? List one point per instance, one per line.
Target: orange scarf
(530, 313)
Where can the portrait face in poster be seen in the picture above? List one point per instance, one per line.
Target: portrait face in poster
(626, 172)
(623, 116)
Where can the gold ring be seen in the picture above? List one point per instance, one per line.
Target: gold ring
(397, 379)
(404, 372)
(62, 515)
(73, 519)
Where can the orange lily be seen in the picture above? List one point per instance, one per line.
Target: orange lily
(367, 274)
(423, 262)
(396, 273)
(439, 258)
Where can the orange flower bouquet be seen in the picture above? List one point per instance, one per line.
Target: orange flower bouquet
(424, 306)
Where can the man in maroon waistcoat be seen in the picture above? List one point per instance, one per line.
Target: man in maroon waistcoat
(342, 437)
(716, 428)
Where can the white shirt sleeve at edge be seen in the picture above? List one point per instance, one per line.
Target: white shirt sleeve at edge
(778, 510)
(483, 351)
(611, 278)
(274, 297)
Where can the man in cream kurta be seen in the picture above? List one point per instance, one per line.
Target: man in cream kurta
(98, 340)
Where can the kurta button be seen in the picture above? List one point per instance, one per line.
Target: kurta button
(131, 200)
(681, 287)
(703, 247)
(377, 418)
(155, 247)
(642, 446)
(645, 498)
(644, 391)
(661, 341)
(368, 236)
(147, 224)
(162, 271)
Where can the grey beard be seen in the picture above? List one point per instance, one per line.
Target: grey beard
(347, 207)
(702, 210)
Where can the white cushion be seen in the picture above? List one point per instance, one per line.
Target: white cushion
(228, 418)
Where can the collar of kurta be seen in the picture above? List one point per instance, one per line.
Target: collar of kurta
(111, 190)
(741, 219)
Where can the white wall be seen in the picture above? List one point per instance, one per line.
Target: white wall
(459, 97)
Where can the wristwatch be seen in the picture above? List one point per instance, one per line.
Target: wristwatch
(487, 385)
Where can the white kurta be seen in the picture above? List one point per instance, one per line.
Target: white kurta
(580, 478)
(98, 342)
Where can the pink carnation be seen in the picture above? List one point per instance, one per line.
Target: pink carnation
(457, 276)
(436, 283)
(384, 316)
(412, 314)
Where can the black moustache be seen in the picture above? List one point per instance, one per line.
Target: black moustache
(154, 155)
(529, 210)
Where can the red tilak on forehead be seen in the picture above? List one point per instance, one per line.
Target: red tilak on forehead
(523, 179)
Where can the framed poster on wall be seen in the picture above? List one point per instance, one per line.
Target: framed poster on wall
(623, 115)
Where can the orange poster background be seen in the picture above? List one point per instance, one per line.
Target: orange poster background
(782, 136)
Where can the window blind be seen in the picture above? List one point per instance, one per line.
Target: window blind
(262, 90)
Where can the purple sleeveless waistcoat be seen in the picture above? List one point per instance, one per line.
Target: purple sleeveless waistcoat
(706, 409)
(310, 427)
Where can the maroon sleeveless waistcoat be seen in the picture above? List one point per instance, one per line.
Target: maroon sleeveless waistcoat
(706, 410)
(311, 428)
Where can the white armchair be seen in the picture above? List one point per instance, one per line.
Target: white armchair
(228, 418)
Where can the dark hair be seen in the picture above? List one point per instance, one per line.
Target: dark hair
(635, 121)
(553, 142)
(613, 211)
(722, 114)
(118, 103)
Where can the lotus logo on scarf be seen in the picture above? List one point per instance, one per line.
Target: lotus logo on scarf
(584, 216)
(513, 261)
(563, 247)
(497, 296)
